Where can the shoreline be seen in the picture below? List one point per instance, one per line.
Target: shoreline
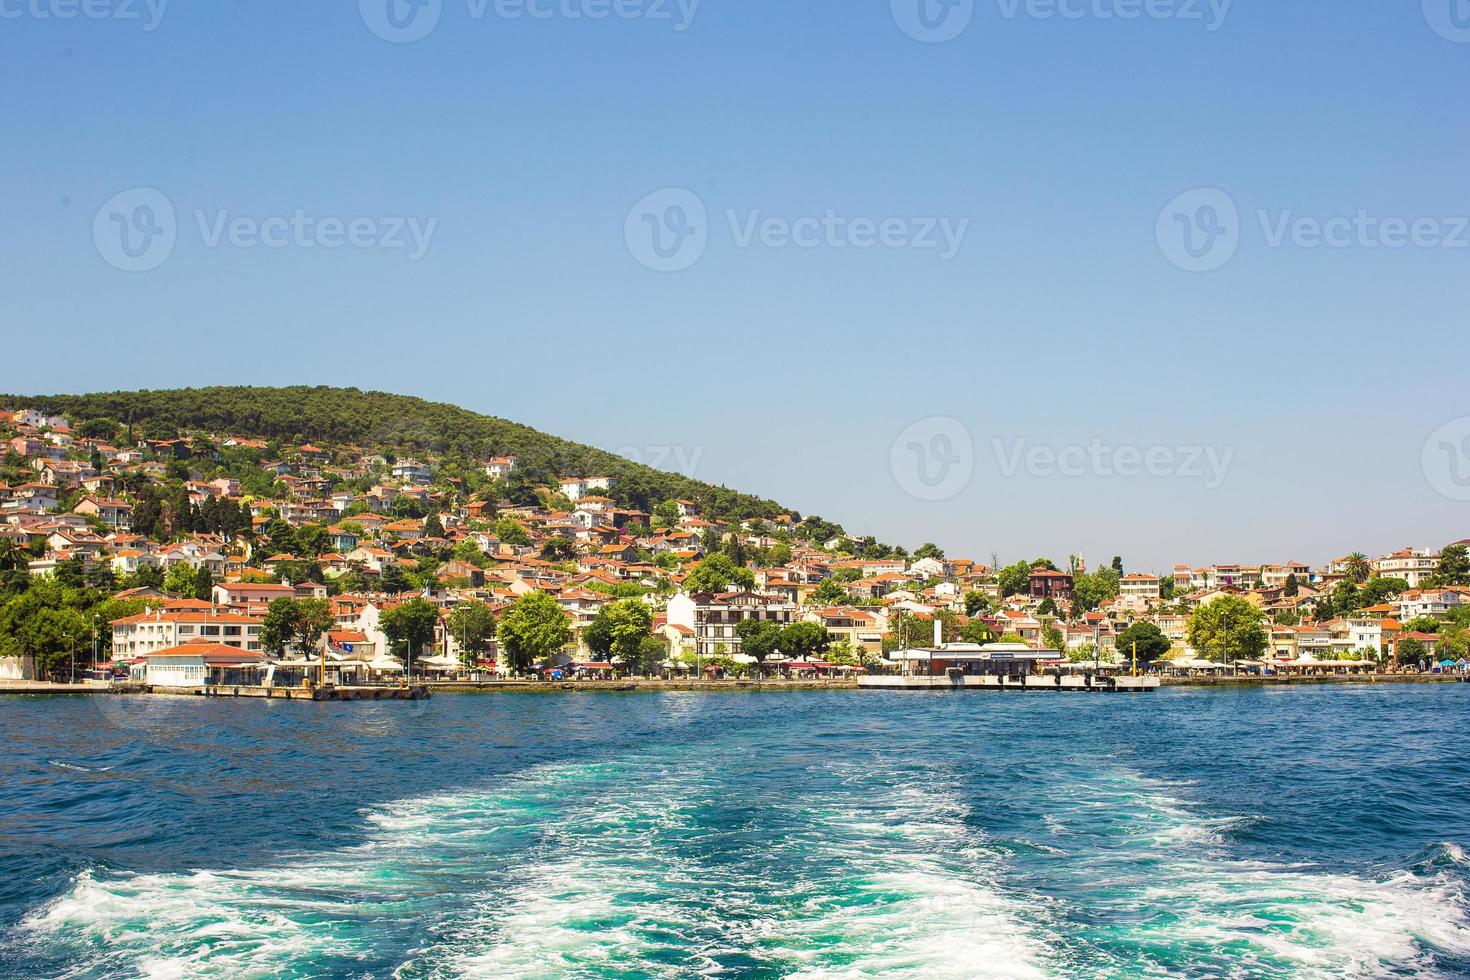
(646, 685)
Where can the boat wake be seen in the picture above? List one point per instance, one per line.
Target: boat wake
(1166, 896)
(659, 866)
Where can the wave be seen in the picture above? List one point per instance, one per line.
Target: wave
(1170, 897)
(641, 866)
(75, 768)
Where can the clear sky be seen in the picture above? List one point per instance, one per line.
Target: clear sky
(1058, 313)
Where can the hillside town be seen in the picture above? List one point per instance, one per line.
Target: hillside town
(174, 557)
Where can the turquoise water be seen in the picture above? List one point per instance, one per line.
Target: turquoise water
(1280, 833)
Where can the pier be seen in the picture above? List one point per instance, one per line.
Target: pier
(326, 692)
(1010, 682)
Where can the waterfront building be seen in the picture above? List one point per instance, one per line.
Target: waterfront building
(157, 629)
(195, 664)
(713, 617)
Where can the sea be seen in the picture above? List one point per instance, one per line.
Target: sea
(1199, 833)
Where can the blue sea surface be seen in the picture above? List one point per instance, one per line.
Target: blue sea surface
(1302, 832)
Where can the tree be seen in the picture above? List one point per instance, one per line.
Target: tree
(651, 654)
(411, 625)
(1410, 651)
(282, 619)
(1228, 629)
(976, 603)
(1053, 638)
(1382, 589)
(313, 619)
(510, 532)
(433, 527)
(929, 550)
(180, 580)
(1048, 607)
(1293, 587)
(1151, 643)
(472, 625)
(977, 631)
(15, 568)
(47, 620)
(1454, 565)
(627, 622)
(532, 629)
(1422, 624)
(800, 641)
(1167, 588)
(1357, 568)
(1015, 579)
(716, 573)
(759, 638)
(1346, 598)
(829, 592)
(203, 584)
(558, 549)
(1091, 591)
(1118, 565)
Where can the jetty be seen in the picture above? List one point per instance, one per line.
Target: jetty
(957, 681)
(324, 692)
(1003, 666)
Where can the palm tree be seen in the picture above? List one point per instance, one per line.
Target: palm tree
(1357, 567)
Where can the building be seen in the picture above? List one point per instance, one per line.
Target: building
(1141, 586)
(411, 471)
(861, 629)
(1410, 565)
(196, 664)
(1048, 583)
(116, 514)
(156, 629)
(713, 618)
(250, 598)
(500, 467)
(1430, 602)
(575, 487)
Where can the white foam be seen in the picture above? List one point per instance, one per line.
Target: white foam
(1256, 919)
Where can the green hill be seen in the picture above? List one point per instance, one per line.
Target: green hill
(392, 423)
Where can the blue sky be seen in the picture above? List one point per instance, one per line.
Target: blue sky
(520, 145)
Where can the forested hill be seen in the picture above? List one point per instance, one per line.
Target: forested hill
(386, 422)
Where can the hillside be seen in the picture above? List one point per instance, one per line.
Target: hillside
(387, 422)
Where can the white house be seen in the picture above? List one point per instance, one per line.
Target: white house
(500, 467)
(574, 487)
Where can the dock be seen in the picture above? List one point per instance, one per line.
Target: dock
(1002, 682)
(329, 692)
